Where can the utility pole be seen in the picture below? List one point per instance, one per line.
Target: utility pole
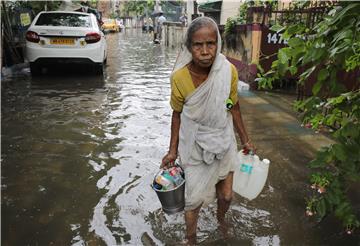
(156, 10)
(189, 9)
(195, 15)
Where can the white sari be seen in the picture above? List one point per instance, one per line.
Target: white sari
(207, 144)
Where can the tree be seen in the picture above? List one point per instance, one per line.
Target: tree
(242, 17)
(331, 46)
(36, 6)
(138, 7)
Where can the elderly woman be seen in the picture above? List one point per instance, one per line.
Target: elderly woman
(203, 85)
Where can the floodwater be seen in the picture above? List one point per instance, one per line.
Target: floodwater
(79, 153)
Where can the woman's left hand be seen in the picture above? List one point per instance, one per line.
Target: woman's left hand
(249, 146)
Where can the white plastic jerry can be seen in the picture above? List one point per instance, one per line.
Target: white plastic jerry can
(256, 180)
(239, 178)
(243, 170)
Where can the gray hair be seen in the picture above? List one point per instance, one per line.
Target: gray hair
(197, 24)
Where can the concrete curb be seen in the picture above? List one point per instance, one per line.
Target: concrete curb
(17, 69)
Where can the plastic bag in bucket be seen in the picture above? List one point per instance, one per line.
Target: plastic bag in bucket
(169, 185)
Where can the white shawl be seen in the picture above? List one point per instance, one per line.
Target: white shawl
(206, 131)
(204, 118)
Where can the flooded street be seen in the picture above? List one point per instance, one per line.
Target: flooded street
(79, 154)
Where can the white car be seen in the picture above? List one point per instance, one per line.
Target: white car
(65, 37)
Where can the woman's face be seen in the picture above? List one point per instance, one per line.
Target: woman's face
(204, 46)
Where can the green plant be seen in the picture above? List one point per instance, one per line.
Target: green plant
(138, 7)
(113, 15)
(229, 26)
(330, 47)
(36, 6)
(242, 16)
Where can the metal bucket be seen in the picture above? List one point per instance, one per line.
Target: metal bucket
(172, 201)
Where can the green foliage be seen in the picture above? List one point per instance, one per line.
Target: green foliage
(36, 6)
(229, 26)
(332, 45)
(353, 61)
(138, 7)
(93, 3)
(113, 15)
(242, 16)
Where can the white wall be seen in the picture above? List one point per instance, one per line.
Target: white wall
(229, 8)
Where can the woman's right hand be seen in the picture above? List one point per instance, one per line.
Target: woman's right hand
(168, 160)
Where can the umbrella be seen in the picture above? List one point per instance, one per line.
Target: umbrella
(69, 6)
(156, 13)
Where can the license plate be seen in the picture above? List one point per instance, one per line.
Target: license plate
(62, 41)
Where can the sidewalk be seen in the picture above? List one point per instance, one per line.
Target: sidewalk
(277, 215)
(277, 134)
(270, 118)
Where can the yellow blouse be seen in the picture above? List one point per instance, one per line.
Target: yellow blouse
(182, 85)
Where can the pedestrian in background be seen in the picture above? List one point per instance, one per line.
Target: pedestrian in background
(203, 83)
(183, 19)
(160, 21)
(147, 27)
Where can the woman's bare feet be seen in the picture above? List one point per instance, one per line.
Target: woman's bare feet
(224, 228)
(189, 241)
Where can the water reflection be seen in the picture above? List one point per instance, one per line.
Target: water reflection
(139, 115)
(51, 127)
(79, 154)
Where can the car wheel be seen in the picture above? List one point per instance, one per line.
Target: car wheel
(105, 60)
(35, 69)
(99, 69)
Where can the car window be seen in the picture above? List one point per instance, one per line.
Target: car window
(64, 19)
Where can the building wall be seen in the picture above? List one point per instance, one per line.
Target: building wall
(173, 34)
(229, 8)
(241, 48)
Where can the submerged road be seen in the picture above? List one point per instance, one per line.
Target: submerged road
(79, 153)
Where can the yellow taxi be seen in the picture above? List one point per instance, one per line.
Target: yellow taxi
(110, 25)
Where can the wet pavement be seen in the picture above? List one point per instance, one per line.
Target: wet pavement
(79, 153)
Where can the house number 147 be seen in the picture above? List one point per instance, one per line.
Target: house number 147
(275, 38)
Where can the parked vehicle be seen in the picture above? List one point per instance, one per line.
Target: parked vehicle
(65, 37)
(110, 25)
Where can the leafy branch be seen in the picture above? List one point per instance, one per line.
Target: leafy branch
(330, 47)
(242, 16)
